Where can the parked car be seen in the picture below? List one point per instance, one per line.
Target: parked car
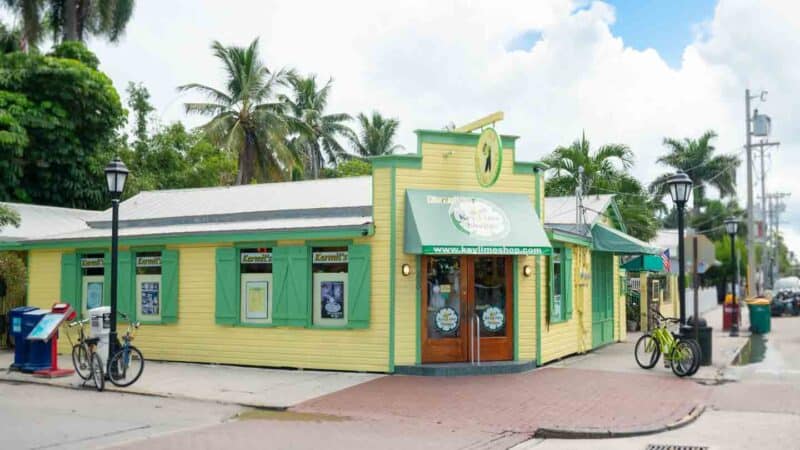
(786, 298)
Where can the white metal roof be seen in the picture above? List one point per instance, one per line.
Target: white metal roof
(307, 205)
(38, 221)
(562, 210)
(329, 193)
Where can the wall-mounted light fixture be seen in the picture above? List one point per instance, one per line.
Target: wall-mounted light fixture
(526, 270)
(406, 270)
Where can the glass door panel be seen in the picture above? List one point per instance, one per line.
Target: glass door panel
(444, 308)
(491, 295)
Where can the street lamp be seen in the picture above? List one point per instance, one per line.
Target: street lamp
(116, 174)
(680, 188)
(732, 226)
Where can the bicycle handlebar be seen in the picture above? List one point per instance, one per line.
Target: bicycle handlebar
(660, 316)
(78, 322)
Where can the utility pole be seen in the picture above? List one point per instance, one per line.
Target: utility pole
(764, 257)
(775, 208)
(751, 255)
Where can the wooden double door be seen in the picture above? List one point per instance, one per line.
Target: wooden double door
(467, 308)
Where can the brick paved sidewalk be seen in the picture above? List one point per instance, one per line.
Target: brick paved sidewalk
(552, 398)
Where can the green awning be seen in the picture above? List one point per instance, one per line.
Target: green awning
(645, 263)
(607, 239)
(441, 222)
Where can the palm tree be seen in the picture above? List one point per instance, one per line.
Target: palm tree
(71, 20)
(247, 119)
(601, 169)
(377, 135)
(696, 158)
(316, 132)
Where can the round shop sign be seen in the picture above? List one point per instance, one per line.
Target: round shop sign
(488, 157)
(446, 319)
(479, 218)
(493, 318)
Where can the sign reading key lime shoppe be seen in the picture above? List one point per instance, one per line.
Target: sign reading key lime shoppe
(472, 223)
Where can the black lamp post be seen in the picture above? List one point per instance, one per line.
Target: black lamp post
(116, 174)
(732, 226)
(680, 189)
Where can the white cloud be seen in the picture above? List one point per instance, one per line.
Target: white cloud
(430, 63)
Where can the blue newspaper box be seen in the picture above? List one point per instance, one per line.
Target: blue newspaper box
(39, 355)
(21, 345)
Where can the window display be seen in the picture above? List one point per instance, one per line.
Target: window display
(329, 268)
(92, 281)
(255, 267)
(148, 285)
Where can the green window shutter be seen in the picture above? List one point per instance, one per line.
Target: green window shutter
(169, 286)
(70, 291)
(567, 291)
(551, 291)
(359, 283)
(125, 278)
(227, 305)
(107, 279)
(291, 273)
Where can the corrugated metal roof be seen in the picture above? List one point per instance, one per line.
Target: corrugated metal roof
(562, 210)
(330, 193)
(38, 221)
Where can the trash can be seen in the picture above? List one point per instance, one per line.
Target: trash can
(100, 320)
(760, 315)
(39, 355)
(703, 338)
(21, 348)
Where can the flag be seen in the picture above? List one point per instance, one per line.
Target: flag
(665, 260)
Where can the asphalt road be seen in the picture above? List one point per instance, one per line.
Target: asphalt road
(43, 417)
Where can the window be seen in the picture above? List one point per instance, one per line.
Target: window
(92, 282)
(148, 286)
(255, 269)
(561, 284)
(329, 267)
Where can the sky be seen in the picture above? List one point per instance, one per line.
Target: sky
(631, 71)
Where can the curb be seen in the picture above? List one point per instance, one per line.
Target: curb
(594, 433)
(143, 393)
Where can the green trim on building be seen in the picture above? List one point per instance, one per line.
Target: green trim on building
(538, 312)
(554, 235)
(418, 311)
(458, 138)
(515, 267)
(392, 263)
(528, 167)
(199, 238)
(404, 161)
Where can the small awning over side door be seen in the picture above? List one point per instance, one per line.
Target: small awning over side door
(607, 239)
(441, 222)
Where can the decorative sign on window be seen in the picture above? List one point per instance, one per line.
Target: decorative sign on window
(446, 319)
(332, 296)
(94, 294)
(493, 318)
(256, 258)
(330, 257)
(148, 261)
(151, 305)
(257, 300)
(91, 263)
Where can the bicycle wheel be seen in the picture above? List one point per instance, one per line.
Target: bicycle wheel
(683, 358)
(81, 361)
(97, 372)
(699, 352)
(646, 351)
(126, 366)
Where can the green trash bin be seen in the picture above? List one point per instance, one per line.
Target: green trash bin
(760, 317)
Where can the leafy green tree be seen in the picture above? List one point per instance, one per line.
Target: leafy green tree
(697, 159)
(317, 137)
(71, 20)
(58, 120)
(247, 119)
(376, 136)
(354, 167)
(139, 103)
(603, 171)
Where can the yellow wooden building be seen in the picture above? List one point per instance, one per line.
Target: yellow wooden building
(438, 261)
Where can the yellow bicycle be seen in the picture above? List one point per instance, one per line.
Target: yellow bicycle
(682, 354)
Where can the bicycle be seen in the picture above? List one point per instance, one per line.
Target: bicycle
(127, 363)
(681, 354)
(85, 358)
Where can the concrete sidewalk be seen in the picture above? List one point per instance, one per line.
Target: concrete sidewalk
(247, 386)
